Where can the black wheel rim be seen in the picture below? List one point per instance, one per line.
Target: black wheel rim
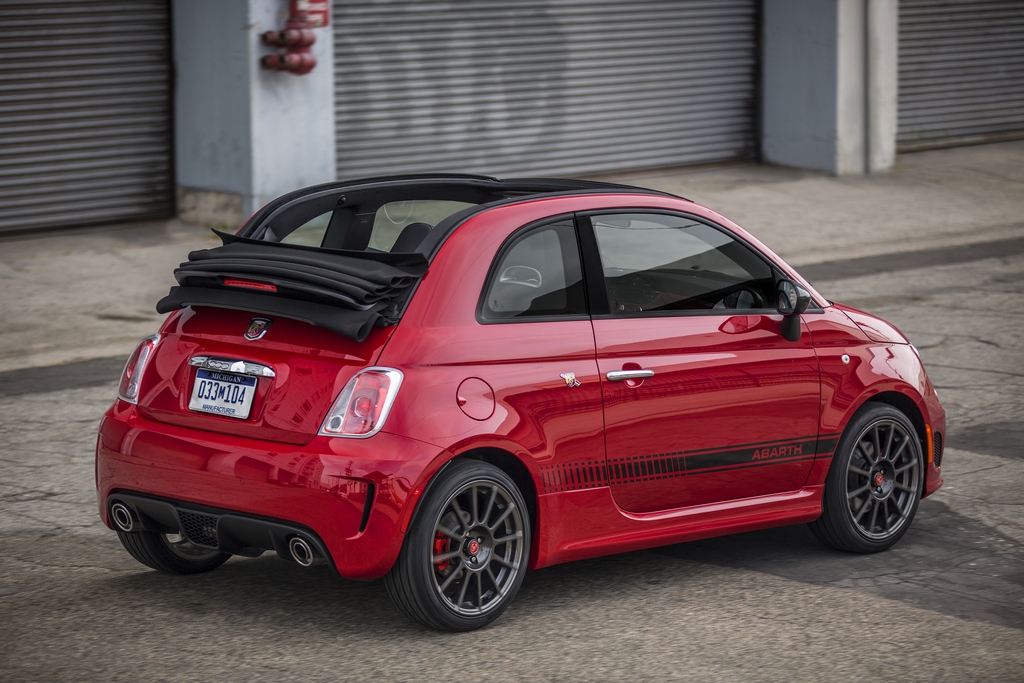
(477, 549)
(180, 546)
(883, 479)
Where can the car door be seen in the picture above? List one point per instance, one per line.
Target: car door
(704, 401)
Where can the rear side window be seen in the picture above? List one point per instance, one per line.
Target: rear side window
(537, 275)
(311, 233)
(660, 262)
(392, 218)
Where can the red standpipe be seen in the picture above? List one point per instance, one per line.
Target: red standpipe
(297, 38)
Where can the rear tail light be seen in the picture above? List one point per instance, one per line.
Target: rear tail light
(364, 403)
(134, 369)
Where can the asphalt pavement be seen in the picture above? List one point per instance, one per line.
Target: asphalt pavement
(936, 247)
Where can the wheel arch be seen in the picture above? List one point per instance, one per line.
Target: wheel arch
(908, 407)
(514, 468)
(505, 461)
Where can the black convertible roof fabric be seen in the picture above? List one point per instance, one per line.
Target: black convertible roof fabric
(348, 292)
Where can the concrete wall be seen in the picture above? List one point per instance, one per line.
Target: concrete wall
(829, 84)
(244, 135)
(799, 83)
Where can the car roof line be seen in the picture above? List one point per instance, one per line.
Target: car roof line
(520, 187)
(446, 227)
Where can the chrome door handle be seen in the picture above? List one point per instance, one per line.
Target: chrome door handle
(619, 375)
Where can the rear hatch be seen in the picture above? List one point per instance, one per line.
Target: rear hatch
(206, 374)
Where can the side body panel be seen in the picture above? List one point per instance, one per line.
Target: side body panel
(577, 514)
(874, 370)
(507, 376)
(557, 431)
(731, 411)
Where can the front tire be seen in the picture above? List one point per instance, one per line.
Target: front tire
(171, 553)
(874, 485)
(465, 555)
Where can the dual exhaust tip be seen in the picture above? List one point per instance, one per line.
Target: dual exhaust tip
(122, 517)
(304, 554)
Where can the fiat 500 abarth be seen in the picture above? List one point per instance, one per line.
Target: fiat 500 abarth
(446, 380)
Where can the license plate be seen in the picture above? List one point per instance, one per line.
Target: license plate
(222, 393)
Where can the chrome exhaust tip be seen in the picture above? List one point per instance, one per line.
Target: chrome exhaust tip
(302, 552)
(122, 517)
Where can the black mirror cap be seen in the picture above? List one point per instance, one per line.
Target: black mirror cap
(790, 328)
(792, 299)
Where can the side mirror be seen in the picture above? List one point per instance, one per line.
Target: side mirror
(791, 301)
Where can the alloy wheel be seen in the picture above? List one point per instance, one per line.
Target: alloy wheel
(883, 479)
(478, 546)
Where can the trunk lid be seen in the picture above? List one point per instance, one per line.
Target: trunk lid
(310, 367)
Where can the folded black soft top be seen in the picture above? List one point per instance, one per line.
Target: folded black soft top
(348, 292)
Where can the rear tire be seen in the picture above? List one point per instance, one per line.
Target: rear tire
(874, 485)
(465, 555)
(171, 553)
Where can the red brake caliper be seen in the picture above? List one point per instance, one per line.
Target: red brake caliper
(441, 544)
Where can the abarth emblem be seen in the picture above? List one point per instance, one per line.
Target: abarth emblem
(257, 328)
(570, 379)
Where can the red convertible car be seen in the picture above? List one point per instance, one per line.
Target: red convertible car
(445, 380)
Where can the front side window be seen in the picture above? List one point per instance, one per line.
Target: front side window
(537, 275)
(660, 262)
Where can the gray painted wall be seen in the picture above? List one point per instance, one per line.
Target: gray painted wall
(829, 88)
(212, 95)
(799, 102)
(244, 135)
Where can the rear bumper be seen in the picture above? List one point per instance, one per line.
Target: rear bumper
(222, 530)
(352, 494)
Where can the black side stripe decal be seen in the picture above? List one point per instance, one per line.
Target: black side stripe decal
(589, 474)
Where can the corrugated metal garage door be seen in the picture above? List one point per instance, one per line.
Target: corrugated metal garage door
(85, 130)
(542, 87)
(961, 72)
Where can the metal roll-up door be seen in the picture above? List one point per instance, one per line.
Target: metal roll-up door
(85, 127)
(542, 86)
(961, 73)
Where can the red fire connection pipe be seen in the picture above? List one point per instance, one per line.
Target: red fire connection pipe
(297, 38)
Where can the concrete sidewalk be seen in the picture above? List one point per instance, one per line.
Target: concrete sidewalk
(89, 294)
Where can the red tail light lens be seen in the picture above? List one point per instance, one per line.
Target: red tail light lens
(134, 369)
(364, 403)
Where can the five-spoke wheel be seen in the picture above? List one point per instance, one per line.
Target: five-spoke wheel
(874, 485)
(467, 549)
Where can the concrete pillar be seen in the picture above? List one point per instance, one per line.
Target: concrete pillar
(882, 70)
(829, 84)
(243, 134)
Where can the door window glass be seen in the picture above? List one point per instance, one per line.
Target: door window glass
(657, 262)
(538, 275)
